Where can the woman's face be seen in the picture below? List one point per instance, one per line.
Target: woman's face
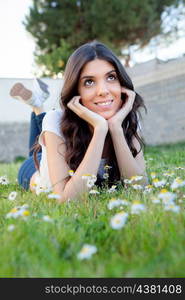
(100, 89)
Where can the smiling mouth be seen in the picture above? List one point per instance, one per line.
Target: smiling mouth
(105, 103)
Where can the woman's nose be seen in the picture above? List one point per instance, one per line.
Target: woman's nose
(102, 89)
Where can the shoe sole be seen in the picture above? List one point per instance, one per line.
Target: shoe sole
(18, 91)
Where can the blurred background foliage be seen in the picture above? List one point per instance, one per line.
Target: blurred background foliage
(60, 26)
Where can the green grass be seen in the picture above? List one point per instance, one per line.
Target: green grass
(151, 244)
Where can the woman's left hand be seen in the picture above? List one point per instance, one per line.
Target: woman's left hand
(119, 117)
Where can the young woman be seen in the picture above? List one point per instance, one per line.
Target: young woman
(96, 126)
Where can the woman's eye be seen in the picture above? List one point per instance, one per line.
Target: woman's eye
(88, 82)
(111, 77)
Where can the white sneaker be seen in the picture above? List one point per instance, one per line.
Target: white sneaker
(40, 89)
(36, 98)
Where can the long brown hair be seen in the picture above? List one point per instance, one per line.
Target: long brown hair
(75, 130)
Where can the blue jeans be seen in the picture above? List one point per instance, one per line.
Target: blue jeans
(28, 168)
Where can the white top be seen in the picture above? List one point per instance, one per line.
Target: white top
(51, 123)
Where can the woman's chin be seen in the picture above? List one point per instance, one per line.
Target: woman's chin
(107, 115)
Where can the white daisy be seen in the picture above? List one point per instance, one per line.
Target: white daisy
(93, 192)
(136, 178)
(119, 220)
(105, 176)
(11, 227)
(178, 182)
(107, 167)
(167, 197)
(12, 196)
(47, 219)
(40, 189)
(116, 203)
(18, 211)
(172, 207)
(71, 172)
(179, 168)
(127, 181)
(94, 177)
(86, 252)
(168, 174)
(86, 176)
(112, 189)
(148, 188)
(137, 207)
(90, 178)
(137, 187)
(156, 201)
(53, 196)
(153, 175)
(24, 206)
(159, 183)
(90, 183)
(4, 180)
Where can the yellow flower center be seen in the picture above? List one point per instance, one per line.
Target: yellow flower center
(163, 191)
(26, 213)
(85, 250)
(117, 221)
(178, 180)
(156, 180)
(136, 202)
(14, 210)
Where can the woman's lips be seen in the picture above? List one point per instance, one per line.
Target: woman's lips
(104, 104)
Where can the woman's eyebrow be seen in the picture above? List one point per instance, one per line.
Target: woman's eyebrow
(91, 76)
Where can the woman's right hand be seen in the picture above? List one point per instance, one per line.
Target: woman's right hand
(86, 114)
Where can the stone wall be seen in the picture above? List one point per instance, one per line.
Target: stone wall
(165, 102)
(13, 141)
(162, 85)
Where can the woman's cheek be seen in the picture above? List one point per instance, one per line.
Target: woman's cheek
(86, 99)
(83, 101)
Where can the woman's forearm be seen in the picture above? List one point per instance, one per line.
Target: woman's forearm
(128, 165)
(89, 165)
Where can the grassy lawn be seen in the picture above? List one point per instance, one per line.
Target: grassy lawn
(150, 243)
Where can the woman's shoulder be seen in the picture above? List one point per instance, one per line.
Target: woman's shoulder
(52, 121)
(52, 117)
(54, 114)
